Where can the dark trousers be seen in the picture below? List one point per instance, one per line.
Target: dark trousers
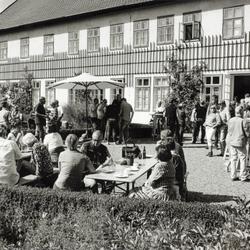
(124, 131)
(181, 133)
(40, 132)
(196, 128)
(111, 129)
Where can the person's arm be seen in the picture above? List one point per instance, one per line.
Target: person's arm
(131, 115)
(90, 166)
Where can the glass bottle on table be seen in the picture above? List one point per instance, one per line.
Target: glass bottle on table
(144, 155)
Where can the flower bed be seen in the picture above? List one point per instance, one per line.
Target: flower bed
(32, 218)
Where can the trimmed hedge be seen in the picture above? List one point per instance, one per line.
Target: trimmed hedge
(33, 218)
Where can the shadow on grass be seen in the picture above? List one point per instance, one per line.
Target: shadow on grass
(208, 198)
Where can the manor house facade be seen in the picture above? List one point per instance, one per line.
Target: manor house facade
(128, 40)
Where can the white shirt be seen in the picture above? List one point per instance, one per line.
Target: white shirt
(9, 153)
(52, 141)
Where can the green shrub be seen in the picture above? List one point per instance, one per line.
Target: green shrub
(32, 218)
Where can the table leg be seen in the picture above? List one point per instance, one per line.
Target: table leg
(133, 185)
(149, 173)
(127, 192)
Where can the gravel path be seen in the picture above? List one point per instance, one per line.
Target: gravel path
(207, 181)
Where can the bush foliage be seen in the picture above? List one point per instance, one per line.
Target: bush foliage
(32, 218)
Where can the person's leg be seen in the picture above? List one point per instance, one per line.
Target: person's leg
(210, 133)
(107, 131)
(181, 132)
(126, 131)
(195, 131)
(223, 134)
(121, 134)
(203, 131)
(90, 183)
(27, 168)
(216, 137)
(242, 157)
(233, 160)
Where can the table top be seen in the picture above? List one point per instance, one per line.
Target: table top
(118, 170)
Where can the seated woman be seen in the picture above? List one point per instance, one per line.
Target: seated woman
(54, 143)
(72, 165)
(40, 163)
(160, 184)
(10, 158)
(15, 135)
(180, 170)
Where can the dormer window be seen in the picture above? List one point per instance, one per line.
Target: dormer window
(191, 26)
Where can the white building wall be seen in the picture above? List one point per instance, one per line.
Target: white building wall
(14, 48)
(62, 95)
(83, 39)
(105, 37)
(36, 46)
(61, 43)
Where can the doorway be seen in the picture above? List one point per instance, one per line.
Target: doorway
(241, 86)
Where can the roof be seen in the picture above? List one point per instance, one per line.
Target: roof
(29, 12)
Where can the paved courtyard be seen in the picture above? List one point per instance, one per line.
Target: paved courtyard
(207, 180)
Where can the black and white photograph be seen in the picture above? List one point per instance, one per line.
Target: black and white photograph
(124, 124)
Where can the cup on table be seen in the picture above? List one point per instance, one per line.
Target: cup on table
(125, 172)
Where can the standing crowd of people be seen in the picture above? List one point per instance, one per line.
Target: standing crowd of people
(112, 120)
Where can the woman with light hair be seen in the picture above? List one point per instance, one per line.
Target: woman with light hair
(73, 165)
(40, 163)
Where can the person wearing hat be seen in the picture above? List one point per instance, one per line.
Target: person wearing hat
(181, 117)
(10, 159)
(237, 140)
(40, 163)
(212, 122)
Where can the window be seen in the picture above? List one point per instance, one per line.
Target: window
(96, 94)
(73, 43)
(161, 89)
(165, 30)
(50, 93)
(116, 36)
(35, 92)
(192, 26)
(49, 45)
(233, 22)
(142, 94)
(93, 39)
(212, 87)
(141, 33)
(115, 92)
(24, 47)
(3, 50)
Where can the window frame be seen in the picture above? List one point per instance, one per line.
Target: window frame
(23, 46)
(212, 85)
(193, 23)
(159, 87)
(143, 87)
(166, 26)
(93, 37)
(73, 50)
(5, 49)
(117, 34)
(140, 30)
(234, 18)
(46, 44)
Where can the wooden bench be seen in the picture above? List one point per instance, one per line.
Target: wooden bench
(32, 179)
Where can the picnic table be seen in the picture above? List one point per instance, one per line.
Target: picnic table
(124, 174)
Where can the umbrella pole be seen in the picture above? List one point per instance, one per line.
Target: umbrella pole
(87, 111)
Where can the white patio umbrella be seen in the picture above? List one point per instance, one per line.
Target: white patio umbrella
(87, 82)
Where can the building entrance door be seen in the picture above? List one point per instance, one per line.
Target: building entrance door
(241, 86)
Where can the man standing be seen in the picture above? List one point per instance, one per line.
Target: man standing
(40, 118)
(93, 113)
(126, 116)
(237, 140)
(199, 119)
(171, 120)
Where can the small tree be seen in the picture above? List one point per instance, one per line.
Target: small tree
(185, 84)
(19, 93)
